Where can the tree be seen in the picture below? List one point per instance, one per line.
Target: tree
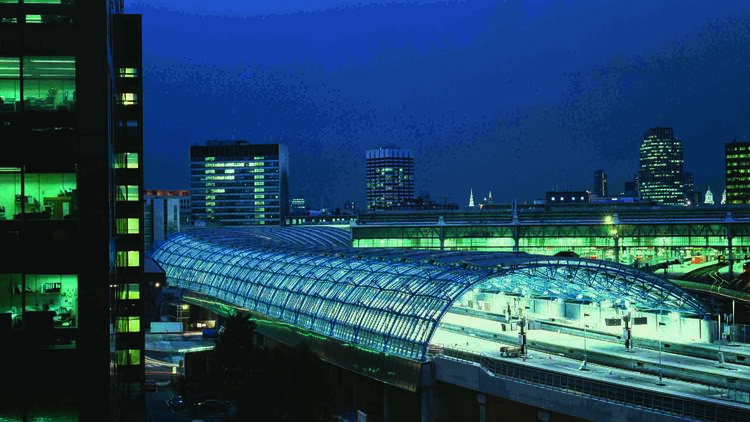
(284, 384)
(238, 361)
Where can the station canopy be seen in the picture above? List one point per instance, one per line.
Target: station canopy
(387, 300)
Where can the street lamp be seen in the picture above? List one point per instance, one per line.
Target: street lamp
(583, 366)
(721, 336)
(658, 323)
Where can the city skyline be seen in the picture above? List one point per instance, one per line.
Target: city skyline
(517, 98)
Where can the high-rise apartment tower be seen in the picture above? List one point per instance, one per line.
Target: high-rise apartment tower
(71, 211)
(737, 172)
(390, 178)
(235, 183)
(661, 173)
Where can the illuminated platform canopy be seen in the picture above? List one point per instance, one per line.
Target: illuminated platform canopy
(388, 300)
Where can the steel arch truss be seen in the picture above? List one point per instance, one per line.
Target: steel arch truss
(597, 282)
(391, 305)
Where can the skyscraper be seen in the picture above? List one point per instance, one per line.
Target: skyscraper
(71, 211)
(390, 178)
(661, 172)
(737, 172)
(600, 184)
(235, 183)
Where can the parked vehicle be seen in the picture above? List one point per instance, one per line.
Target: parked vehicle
(177, 403)
(213, 406)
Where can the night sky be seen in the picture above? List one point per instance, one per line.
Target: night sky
(518, 97)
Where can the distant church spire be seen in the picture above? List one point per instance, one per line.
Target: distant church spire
(709, 197)
(471, 198)
(489, 199)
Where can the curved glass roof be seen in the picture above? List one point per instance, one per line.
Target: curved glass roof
(384, 299)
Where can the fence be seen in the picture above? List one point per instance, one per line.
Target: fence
(693, 408)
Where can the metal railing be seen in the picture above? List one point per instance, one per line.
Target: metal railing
(707, 410)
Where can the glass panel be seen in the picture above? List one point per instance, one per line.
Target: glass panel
(10, 304)
(127, 193)
(128, 357)
(10, 83)
(128, 72)
(50, 195)
(57, 294)
(49, 83)
(127, 225)
(10, 194)
(49, 1)
(128, 99)
(126, 160)
(49, 19)
(128, 258)
(130, 324)
(130, 291)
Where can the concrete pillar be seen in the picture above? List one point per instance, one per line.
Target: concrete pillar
(427, 392)
(386, 404)
(482, 400)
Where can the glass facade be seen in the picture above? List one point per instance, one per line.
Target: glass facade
(41, 298)
(390, 178)
(37, 195)
(661, 177)
(737, 168)
(59, 280)
(234, 183)
(37, 83)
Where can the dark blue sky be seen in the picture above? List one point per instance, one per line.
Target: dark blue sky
(517, 96)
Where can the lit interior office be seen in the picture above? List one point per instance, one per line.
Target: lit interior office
(47, 84)
(43, 301)
(37, 195)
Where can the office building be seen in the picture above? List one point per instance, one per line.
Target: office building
(183, 195)
(71, 211)
(235, 183)
(661, 176)
(390, 178)
(737, 172)
(600, 184)
(162, 215)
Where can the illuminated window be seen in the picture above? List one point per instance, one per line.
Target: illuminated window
(51, 195)
(127, 72)
(126, 160)
(10, 83)
(128, 225)
(127, 193)
(128, 258)
(130, 324)
(130, 291)
(129, 357)
(41, 292)
(128, 99)
(49, 83)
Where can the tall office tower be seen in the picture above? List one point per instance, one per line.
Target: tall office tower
(235, 183)
(600, 184)
(737, 172)
(390, 178)
(691, 195)
(71, 212)
(661, 174)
